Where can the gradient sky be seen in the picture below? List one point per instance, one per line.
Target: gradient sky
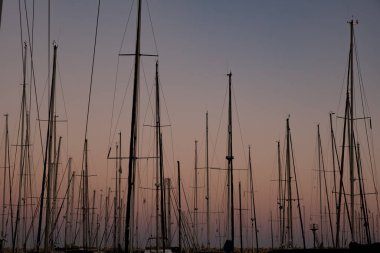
(286, 57)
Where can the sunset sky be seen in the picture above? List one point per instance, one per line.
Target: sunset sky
(286, 58)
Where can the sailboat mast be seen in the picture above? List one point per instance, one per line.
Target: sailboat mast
(133, 135)
(119, 205)
(289, 226)
(50, 156)
(320, 187)
(333, 152)
(115, 212)
(22, 149)
(68, 203)
(240, 220)
(179, 209)
(3, 228)
(351, 145)
(230, 158)
(159, 183)
(207, 187)
(196, 193)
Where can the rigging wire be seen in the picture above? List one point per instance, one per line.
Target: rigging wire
(117, 72)
(92, 69)
(238, 120)
(366, 111)
(151, 25)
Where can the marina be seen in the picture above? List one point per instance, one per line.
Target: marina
(149, 126)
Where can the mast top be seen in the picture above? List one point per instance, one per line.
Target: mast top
(352, 21)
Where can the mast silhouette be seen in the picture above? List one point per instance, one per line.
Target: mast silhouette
(207, 186)
(133, 135)
(196, 194)
(229, 245)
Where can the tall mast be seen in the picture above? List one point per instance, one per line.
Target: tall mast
(240, 220)
(333, 152)
(297, 191)
(22, 150)
(133, 135)
(207, 187)
(280, 197)
(68, 203)
(196, 194)
(351, 145)
(320, 187)
(85, 197)
(253, 209)
(289, 200)
(116, 202)
(47, 165)
(158, 184)
(230, 158)
(6, 161)
(160, 163)
(119, 171)
(179, 209)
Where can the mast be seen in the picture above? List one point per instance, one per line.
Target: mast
(207, 187)
(68, 203)
(47, 165)
(320, 186)
(116, 202)
(179, 209)
(133, 135)
(240, 220)
(289, 200)
(6, 161)
(22, 145)
(351, 145)
(85, 197)
(297, 192)
(160, 191)
(119, 203)
(348, 131)
(333, 152)
(158, 168)
(230, 158)
(196, 194)
(253, 209)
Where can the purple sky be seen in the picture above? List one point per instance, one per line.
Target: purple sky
(286, 57)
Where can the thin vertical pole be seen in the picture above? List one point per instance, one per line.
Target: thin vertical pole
(240, 221)
(179, 209)
(133, 136)
(207, 187)
(230, 158)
